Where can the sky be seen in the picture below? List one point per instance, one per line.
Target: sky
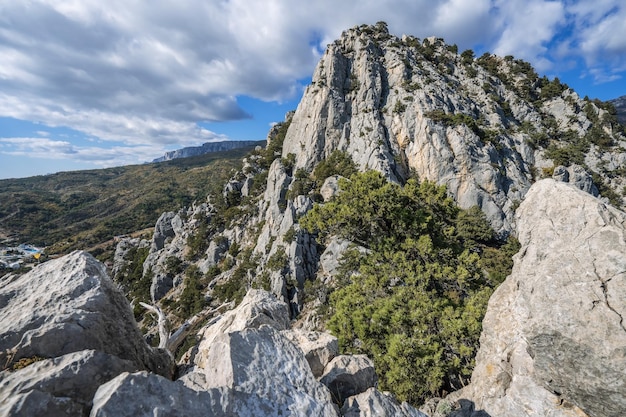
(87, 84)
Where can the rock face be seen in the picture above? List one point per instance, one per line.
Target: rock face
(67, 329)
(398, 105)
(554, 335)
(67, 305)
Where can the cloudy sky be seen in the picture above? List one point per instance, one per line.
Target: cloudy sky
(89, 84)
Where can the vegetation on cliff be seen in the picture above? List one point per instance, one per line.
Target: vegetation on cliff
(414, 301)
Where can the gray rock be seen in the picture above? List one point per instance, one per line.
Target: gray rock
(318, 348)
(163, 230)
(373, 403)
(36, 403)
(67, 383)
(330, 188)
(215, 253)
(121, 251)
(348, 375)
(257, 308)
(262, 362)
(577, 176)
(70, 304)
(143, 394)
(553, 337)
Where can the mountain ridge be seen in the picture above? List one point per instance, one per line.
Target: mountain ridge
(208, 147)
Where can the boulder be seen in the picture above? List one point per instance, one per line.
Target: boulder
(265, 363)
(348, 375)
(60, 386)
(553, 340)
(257, 308)
(143, 394)
(373, 403)
(318, 348)
(67, 305)
(577, 176)
(330, 188)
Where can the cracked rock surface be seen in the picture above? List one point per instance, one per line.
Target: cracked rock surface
(554, 340)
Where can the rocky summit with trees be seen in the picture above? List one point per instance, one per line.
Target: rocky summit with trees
(430, 233)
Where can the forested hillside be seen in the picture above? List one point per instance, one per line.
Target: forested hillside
(79, 209)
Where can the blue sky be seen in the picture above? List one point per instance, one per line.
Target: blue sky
(89, 84)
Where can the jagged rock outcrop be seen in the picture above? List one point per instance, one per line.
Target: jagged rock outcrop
(64, 385)
(396, 105)
(67, 305)
(66, 328)
(208, 148)
(553, 337)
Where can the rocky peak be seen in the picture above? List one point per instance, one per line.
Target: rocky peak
(480, 126)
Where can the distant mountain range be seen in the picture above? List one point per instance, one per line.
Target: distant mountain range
(208, 148)
(620, 106)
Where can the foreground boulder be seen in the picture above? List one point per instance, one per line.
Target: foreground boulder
(373, 403)
(554, 338)
(67, 305)
(247, 352)
(65, 329)
(143, 394)
(61, 386)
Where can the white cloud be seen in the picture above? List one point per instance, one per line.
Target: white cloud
(527, 27)
(63, 150)
(601, 37)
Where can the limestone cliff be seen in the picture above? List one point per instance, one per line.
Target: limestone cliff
(479, 126)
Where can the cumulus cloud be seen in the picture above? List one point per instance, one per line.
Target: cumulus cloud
(600, 36)
(64, 150)
(148, 72)
(527, 27)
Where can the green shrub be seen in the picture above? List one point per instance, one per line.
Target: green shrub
(192, 299)
(414, 303)
(337, 163)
